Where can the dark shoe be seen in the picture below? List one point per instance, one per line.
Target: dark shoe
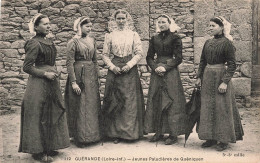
(80, 145)
(222, 146)
(40, 157)
(170, 140)
(208, 143)
(116, 141)
(156, 138)
(53, 153)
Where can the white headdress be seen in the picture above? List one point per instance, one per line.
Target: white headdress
(112, 25)
(227, 27)
(31, 24)
(173, 26)
(77, 27)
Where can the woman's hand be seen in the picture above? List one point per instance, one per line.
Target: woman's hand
(116, 70)
(125, 69)
(198, 82)
(76, 88)
(50, 75)
(222, 88)
(160, 70)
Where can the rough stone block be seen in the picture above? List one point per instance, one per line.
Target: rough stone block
(145, 45)
(23, 11)
(143, 69)
(50, 11)
(61, 50)
(59, 4)
(61, 63)
(242, 86)
(142, 26)
(185, 68)
(35, 5)
(9, 36)
(5, 45)
(201, 25)
(16, 20)
(11, 53)
(145, 91)
(241, 16)
(64, 36)
(187, 39)
(12, 80)
(33, 12)
(87, 11)
(102, 5)
(233, 4)
(182, 1)
(198, 46)
(243, 50)
(45, 3)
(25, 34)
(246, 69)
(147, 74)
(60, 21)
(138, 7)
(9, 74)
(103, 72)
(18, 44)
(245, 32)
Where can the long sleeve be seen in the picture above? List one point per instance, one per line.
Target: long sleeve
(203, 63)
(71, 50)
(106, 51)
(32, 49)
(94, 59)
(137, 49)
(150, 55)
(177, 54)
(229, 54)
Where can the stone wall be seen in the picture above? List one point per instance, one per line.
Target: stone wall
(192, 16)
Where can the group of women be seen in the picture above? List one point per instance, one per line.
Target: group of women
(47, 124)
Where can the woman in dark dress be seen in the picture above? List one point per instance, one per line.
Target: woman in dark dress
(165, 112)
(123, 99)
(219, 118)
(43, 119)
(82, 97)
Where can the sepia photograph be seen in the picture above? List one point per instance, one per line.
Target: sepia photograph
(130, 81)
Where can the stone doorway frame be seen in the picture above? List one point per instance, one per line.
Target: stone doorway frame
(256, 32)
(255, 83)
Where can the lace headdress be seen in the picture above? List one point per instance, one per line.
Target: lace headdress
(173, 26)
(31, 24)
(77, 27)
(227, 27)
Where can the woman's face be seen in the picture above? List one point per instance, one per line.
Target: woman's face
(121, 20)
(163, 23)
(86, 28)
(215, 29)
(44, 26)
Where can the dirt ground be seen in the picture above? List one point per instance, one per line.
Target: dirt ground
(246, 151)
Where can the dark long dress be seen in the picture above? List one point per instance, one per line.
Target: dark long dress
(123, 106)
(43, 118)
(165, 111)
(219, 118)
(83, 110)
